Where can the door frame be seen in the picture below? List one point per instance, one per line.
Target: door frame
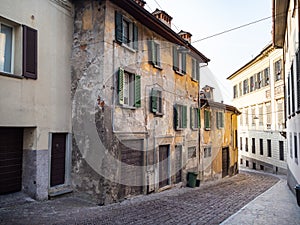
(228, 160)
(169, 167)
(68, 159)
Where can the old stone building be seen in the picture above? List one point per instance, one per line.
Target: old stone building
(35, 103)
(218, 137)
(135, 84)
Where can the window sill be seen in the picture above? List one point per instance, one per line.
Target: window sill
(158, 114)
(179, 129)
(157, 66)
(128, 48)
(179, 72)
(195, 80)
(11, 75)
(128, 107)
(207, 129)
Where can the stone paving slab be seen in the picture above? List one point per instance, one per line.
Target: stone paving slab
(276, 206)
(211, 203)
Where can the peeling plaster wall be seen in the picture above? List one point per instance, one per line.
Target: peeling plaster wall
(96, 60)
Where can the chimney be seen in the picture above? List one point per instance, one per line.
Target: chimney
(185, 35)
(140, 3)
(208, 92)
(163, 17)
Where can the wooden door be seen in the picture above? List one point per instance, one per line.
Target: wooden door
(132, 156)
(163, 165)
(58, 159)
(11, 150)
(225, 161)
(178, 163)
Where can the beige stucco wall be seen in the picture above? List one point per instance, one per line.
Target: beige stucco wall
(44, 103)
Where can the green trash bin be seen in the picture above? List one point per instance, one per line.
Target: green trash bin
(192, 179)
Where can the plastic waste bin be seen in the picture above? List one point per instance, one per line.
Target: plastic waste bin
(192, 179)
(297, 188)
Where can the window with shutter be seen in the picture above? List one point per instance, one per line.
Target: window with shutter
(195, 70)
(154, 50)
(207, 119)
(6, 46)
(292, 90)
(179, 61)
(129, 89)
(29, 52)
(194, 118)
(126, 32)
(156, 102)
(180, 116)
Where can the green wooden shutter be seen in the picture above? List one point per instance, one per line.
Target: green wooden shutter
(154, 100)
(119, 27)
(153, 58)
(207, 119)
(183, 63)
(197, 71)
(199, 118)
(135, 36)
(192, 117)
(175, 59)
(121, 86)
(137, 91)
(184, 116)
(217, 120)
(176, 117)
(222, 119)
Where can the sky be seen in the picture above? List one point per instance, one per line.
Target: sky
(230, 51)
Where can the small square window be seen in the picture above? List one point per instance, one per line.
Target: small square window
(207, 152)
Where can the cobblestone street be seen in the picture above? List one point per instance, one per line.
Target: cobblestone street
(211, 203)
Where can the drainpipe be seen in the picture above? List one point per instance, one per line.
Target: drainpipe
(199, 129)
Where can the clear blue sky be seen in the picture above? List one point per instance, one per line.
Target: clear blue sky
(228, 52)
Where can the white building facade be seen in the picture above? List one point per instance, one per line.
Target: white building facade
(35, 103)
(286, 36)
(258, 92)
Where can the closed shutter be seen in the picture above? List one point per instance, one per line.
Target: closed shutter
(199, 118)
(192, 117)
(29, 52)
(217, 120)
(222, 119)
(137, 91)
(183, 63)
(121, 86)
(119, 27)
(175, 59)
(197, 71)
(154, 100)
(135, 36)
(176, 122)
(153, 61)
(207, 119)
(184, 116)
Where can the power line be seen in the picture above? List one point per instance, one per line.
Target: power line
(158, 4)
(232, 29)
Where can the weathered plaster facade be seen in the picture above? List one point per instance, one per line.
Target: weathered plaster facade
(219, 152)
(131, 134)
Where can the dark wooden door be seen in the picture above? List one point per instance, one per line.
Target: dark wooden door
(11, 150)
(178, 163)
(225, 161)
(132, 156)
(163, 165)
(58, 159)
